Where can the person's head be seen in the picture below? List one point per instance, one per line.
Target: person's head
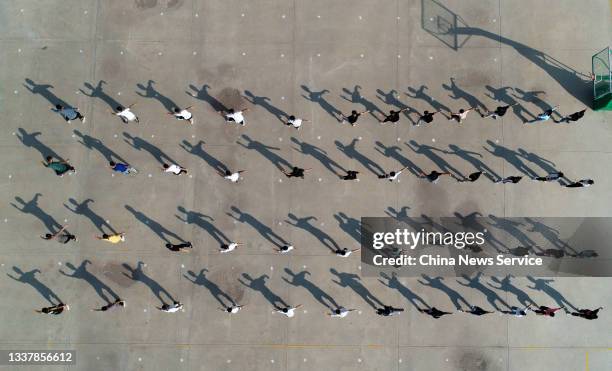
(121, 303)
(291, 118)
(552, 314)
(166, 166)
(227, 172)
(48, 236)
(119, 108)
(392, 173)
(392, 112)
(49, 158)
(285, 310)
(71, 168)
(177, 110)
(353, 112)
(58, 106)
(337, 311)
(231, 110)
(105, 236)
(229, 309)
(590, 181)
(296, 169)
(285, 247)
(112, 163)
(461, 110)
(425, 112)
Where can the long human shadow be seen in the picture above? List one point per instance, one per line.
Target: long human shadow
(355, 97)
(397, 214)
(98, 92)
(299, 279)
(394, 153)
(44, 91)
(391, 98)
(103, 290)
(430, 153)
(436, 283)
(198, 150)
(30, 140)
(394, 283)
(549, 233)
(459, 93)
(546, 165)
(30, 279)
(532, 97)
(204, 222)
(473, 159)
(31, 207)
(507, 286)
(150, 92)
(265, 231)
(305, 224)
(204, 95)
(420, 94)
(97, 145)
(350, 226)
(501, 95)
(353, 281)
(259, 284)
(512, 157)
(542, 284)
(319, 155)
(85, 210)
(141, 144)
(317, 97)
(264, 102)
(137, 274)
(266, 151)
(512, 228)
(161, 231)
(213, 288)
(492, 297)
(351, 152)
(470, 222)
(402, 216)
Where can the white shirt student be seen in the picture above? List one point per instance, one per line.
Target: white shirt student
(126, 114)
(183, 114)
(340, 312)
(229, 247)
(285, 249)
(289, 311)
(295, 122)
(174, 169)
(174, 307)
(233, 177)
(235, 116)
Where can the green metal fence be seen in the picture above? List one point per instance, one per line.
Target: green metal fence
(602, 83)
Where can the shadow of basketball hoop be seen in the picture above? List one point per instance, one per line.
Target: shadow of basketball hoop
(442, 23)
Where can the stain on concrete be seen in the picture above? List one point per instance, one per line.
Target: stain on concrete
(473, 361)
(114, 271)
(231, 98)
(145, 4)
(150, 4)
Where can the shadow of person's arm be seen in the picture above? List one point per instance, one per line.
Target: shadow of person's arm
(16, 279)
(16, 207)
(66, 274)
(194, 280)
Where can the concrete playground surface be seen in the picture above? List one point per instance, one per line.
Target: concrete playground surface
(314, 59)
